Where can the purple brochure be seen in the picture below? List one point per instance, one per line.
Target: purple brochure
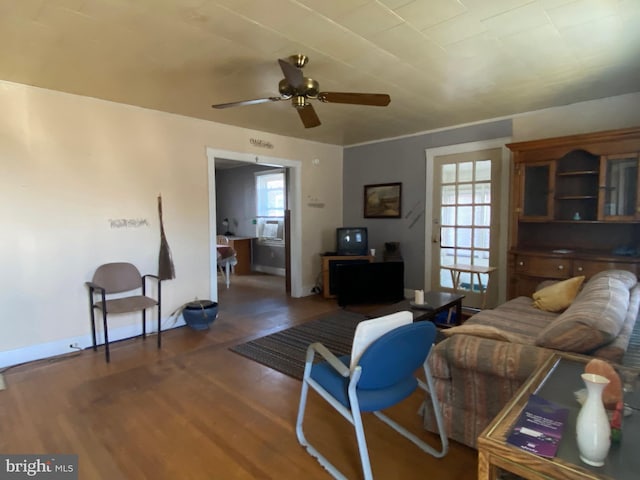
(539, 428)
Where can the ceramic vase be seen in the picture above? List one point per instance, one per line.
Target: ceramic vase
(200, 314)
(593, 432)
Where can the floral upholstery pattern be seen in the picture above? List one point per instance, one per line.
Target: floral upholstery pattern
(476, 376)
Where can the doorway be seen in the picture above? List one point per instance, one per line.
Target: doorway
(294, 229)
(468, 191)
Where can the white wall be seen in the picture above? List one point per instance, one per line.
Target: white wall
(596, 115)
(70, 164)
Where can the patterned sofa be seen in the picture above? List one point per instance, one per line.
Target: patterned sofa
(481, 364)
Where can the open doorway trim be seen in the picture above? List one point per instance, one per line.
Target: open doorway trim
(431, 153)
(295, 167)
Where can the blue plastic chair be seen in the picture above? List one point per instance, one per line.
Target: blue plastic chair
(383, 377)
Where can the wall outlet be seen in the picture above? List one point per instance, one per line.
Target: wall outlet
(74, 345)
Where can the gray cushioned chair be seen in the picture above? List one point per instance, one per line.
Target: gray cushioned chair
(117, 278)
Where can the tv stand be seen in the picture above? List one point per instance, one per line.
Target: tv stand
(375, 282)
(329, 264)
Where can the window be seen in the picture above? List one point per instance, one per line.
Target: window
(270, 194)
(465, 214)
(270, 205)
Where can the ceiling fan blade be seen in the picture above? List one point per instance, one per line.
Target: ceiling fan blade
(291, 73)
(373, 99)
(247, 102)
(308, 116)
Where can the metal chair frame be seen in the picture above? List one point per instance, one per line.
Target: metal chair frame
(138, 303)
(353, 413)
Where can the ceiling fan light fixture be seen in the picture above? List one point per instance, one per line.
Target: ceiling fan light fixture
(310, 87)
(298, 60)
(299, 101)
(286, 90)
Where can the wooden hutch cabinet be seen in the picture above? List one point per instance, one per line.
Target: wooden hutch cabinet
(575, 207)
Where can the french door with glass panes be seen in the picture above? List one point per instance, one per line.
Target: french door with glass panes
(465, 221)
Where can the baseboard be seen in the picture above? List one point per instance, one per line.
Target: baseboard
(60, 347)
(308, 290)
(281, 272)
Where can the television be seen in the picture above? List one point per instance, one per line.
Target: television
(352, 241)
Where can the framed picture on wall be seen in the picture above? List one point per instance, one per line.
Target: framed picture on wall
(383, 200)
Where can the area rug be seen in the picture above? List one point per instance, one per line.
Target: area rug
(285, 351)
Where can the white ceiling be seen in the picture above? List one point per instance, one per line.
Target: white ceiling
(443, 62)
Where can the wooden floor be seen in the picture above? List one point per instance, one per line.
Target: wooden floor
(195, 410)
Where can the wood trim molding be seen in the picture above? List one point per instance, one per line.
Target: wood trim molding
(632, 133)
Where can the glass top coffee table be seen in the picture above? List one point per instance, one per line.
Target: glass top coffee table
(435, 302)
(556, 380)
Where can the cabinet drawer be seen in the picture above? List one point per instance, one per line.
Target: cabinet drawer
(589, 268)
(546, 267)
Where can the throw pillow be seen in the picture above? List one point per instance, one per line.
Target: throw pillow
(557, 297)
(370, 330)
(593, 320)
(487, 331)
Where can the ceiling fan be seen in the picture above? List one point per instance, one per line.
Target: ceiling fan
(300, 89)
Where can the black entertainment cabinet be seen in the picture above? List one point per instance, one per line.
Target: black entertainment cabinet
(358, 279)
(329, 265)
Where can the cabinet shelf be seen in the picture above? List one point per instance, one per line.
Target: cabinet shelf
(607, 222)
(593, 177)
(578, 197)
(578, 173)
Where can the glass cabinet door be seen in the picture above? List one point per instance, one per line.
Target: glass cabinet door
(537, 184)
(619, 192)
